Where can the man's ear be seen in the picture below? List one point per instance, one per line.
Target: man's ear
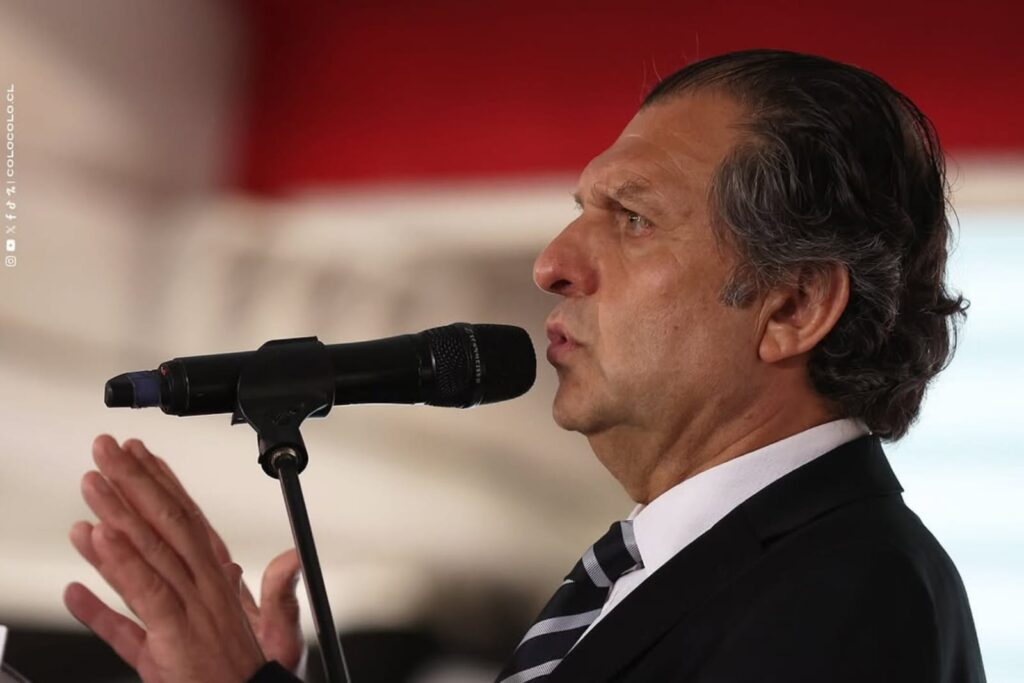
(796, 316)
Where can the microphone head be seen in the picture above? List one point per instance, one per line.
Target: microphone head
(509, 361)
(475, 364)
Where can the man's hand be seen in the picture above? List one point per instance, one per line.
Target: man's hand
(153, 545)
(275, 621)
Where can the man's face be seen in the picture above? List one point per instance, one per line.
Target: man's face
(639, 338)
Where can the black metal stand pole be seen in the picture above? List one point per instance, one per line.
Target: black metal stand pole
(285, 463)
(286, 381)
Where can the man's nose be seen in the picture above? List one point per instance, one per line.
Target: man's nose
(565, 266)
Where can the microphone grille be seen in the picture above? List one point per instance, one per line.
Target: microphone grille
(476, 364)
(452, 355)
(508, 359)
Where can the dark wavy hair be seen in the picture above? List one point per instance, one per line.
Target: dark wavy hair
(838, 167)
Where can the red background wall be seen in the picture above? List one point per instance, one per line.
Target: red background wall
(356, 91)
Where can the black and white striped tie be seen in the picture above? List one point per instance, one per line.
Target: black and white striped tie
(574, 606)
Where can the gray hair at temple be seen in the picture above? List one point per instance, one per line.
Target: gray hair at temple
(836, 166)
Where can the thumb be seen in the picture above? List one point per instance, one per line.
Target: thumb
(278, 602)
(279, 632)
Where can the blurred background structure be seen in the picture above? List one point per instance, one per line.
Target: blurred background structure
(196, 176)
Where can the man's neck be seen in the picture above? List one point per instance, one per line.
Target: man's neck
(649, 462)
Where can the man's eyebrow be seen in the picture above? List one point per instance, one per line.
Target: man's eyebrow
(630, 189)
(625, 191)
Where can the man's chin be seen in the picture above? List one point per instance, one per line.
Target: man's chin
(574, 416)
(565, 421)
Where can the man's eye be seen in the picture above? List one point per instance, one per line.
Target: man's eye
(636, 224)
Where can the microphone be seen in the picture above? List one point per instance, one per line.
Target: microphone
(458, 365)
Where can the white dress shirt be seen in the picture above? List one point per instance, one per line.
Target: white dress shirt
(678, 516)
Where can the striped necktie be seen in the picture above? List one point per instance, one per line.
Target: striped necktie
(574, 606)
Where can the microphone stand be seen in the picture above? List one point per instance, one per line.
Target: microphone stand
(283, 383)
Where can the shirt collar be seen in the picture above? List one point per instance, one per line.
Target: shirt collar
(678, 516)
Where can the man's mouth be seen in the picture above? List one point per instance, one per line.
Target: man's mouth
(561, 343)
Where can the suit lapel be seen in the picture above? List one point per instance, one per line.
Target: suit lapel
(850, 472)
(696, 572)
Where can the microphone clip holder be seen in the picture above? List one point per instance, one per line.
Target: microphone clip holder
(284, 382)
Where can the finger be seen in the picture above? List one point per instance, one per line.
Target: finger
(247, 598)
(116, 630)
(177, 526)
(162, 472)
(145, 592)
(109, 507)
(234, 572)
(81, 538)
(220, 548)
(142, 454)
(83, 535)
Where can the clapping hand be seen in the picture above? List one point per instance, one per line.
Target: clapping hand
(154, 546)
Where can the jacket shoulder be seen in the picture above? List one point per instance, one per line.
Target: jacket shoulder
(862, 592)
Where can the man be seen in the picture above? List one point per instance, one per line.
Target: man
(750, 298)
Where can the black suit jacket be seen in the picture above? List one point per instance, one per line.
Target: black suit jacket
(823, 576)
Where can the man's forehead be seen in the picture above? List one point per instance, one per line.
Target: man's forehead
(678, 141)
(627, 170)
